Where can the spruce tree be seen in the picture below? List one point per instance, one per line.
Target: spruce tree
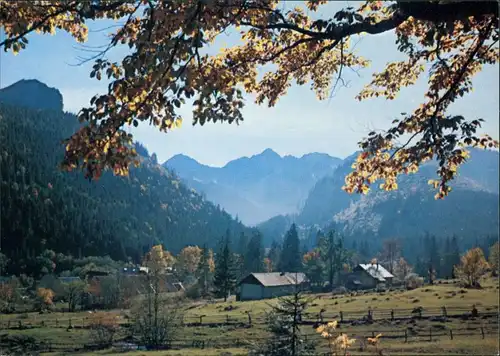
(225, 276)
(284, 323)
(274, 255)
(204, 273)
(290, 259)
(253, 260)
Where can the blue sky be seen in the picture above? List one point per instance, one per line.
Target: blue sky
(297, 125)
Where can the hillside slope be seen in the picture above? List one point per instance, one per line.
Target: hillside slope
(42, 207)
(470, 209)
(258, 187)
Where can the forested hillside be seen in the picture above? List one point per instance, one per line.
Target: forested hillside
(44, 208)
(471, 210)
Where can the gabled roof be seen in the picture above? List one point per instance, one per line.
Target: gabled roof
(377, 271)
(69, 279)
(277, 278)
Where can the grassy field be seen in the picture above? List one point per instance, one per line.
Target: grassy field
(424, 336)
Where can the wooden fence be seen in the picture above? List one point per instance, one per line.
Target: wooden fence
(399, 334)
(246, 319)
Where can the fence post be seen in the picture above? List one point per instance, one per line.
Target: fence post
(406, 335)
(392, 314)
(341, 317)
(445, 314)
(227, 319)
(249, 319)
(201, 319)
(451, 334)
(482, 332)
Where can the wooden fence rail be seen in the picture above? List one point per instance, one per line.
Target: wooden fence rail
(423, 335)
(247, 319)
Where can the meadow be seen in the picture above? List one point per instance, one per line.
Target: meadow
(411, 322)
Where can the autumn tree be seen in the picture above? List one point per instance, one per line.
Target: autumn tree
(472, 267)
(166, 69)
(189, 260)
(44, 298)
(314, 267)
(493, 259)
(155, 319)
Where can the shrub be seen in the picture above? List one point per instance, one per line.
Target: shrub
(413, 281)
(193, 291)
(103, 327)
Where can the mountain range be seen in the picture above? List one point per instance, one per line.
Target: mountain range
(307, 191)
(259, 187)
(470, 209)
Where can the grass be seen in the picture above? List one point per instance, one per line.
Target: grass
(434, 297)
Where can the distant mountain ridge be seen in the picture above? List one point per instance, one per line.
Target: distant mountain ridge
(258, 187)
(471, 209)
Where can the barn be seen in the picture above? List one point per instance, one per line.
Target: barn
(368, 276)
(257, 286)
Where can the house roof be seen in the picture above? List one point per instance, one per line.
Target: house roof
(278, 278)
(69, 279)
(377, 271)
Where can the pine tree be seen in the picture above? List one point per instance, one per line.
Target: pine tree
(284, 322)
(290, 260)
(225, 276)
(333, 254)
(274, 255)
(204, 272)
(253, 260)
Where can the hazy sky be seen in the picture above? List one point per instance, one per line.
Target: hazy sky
(298, 124)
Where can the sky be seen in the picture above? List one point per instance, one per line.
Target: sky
(297, 125)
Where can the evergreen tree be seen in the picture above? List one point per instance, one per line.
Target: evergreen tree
(454, 254)
(274, 255)
(253, 260)
(290, 259)
(204, 271)
(225, 276)
(284, 322)
(333, 254)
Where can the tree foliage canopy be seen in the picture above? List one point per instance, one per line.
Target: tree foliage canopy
(165, 69)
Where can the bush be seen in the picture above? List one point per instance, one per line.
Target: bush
(413, 281)
(193, 291)
(103, 327)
